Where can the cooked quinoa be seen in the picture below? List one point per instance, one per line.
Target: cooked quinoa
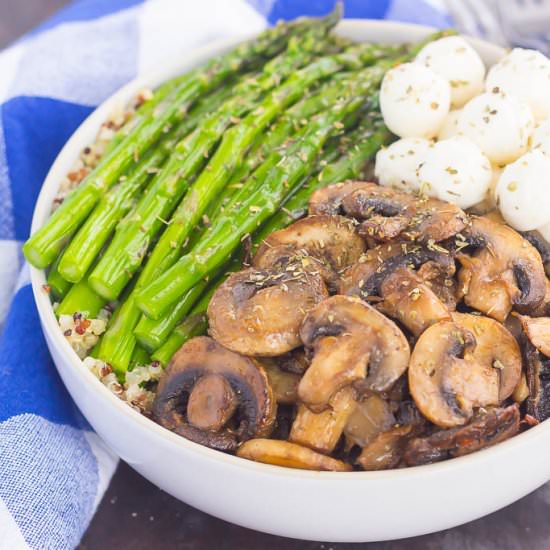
(138, 386)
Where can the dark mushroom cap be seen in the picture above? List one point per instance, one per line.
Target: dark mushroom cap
(259, 312)
(351, 341)
(487, 429)
(389, 213)
(457, 366)
(537, 374)
(204, 386)
(331, 242)
(504, 271)
(365, 278)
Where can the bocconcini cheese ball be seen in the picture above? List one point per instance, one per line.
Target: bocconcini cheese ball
(455, 170)
(414, 100)
(455, 60)
(540, 139)
(523, 191)
(499, 124)
(450, 125)
(396, 165)
(525, 74)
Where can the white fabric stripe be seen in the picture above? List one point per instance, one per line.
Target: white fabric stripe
(79, 61)
(171, 26)
(10, 535)
(107, 462)
(9, 62)
(9, 269)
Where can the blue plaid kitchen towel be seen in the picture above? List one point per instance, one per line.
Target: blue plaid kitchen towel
(53, 468)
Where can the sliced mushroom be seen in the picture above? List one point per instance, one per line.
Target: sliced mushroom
(322, 431)
(284, 384)
(369, 418)
(327, 244)
(537, 329)
(386, 450)
(540, 243)
(205, 387)
(537, 373)
(504, 271)
(389, 213)
(411, 301)
(259, 312)
(487, 429)
(289, 455)
(351, 341)
(440, 279)
(457, 366)
(365, 278)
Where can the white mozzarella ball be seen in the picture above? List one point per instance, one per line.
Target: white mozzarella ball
(525, 74)
(540, 138)
(456, 61)
(414, 100)
(455, 170)
(396, 165)
(523, 191)
(498, 124)
(450, 125)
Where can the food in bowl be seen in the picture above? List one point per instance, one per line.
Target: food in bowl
(389, 327)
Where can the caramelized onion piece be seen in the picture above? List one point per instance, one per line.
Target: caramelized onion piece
(457, 366)
(284, 384)
(259, 312)
(487, 429)
(369, 418)
(289, 455)
(351, 341)
(411, 301)
(327, 244)
(321, 431)
(504, 271)
(204, 386)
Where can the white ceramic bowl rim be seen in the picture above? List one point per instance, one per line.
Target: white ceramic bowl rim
(38, 279)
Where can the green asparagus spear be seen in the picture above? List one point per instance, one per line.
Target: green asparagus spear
(90, 238)
(140, 357)
(127, 250)
(194, 325)
(152, 334)
(44, 245)
(365, 142)
(58, 285)
(81, 299)
(251, 206)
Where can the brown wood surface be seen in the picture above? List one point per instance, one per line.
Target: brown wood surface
(135, 515)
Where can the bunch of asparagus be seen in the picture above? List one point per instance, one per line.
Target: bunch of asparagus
(232, 149)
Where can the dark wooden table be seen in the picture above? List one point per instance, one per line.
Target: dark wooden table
(136, 515)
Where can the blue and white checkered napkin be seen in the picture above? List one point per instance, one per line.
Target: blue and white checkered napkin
(53, 469)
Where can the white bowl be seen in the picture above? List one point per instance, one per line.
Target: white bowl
(357, 506)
